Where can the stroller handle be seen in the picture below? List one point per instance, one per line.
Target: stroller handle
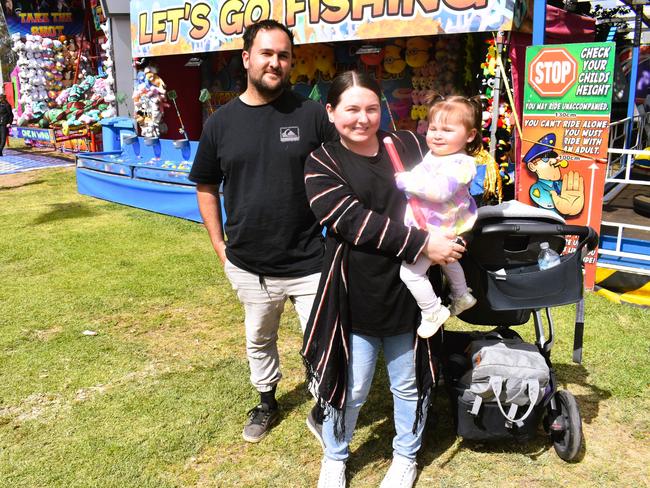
(588, 236)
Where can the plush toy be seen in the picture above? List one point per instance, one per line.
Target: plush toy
(417, 51)
(401, 102)
(489, 65)
(149, 97)
(492, 182)
(303, 64)
(374, 58)
(33, 88)
(109, 83)
(503, 136)
(393, 62)
(419, 112)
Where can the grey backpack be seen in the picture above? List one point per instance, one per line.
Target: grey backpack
(510, 372)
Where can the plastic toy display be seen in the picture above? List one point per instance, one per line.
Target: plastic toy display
(46, 70)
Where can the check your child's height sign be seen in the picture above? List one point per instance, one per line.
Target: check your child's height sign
(567, 107)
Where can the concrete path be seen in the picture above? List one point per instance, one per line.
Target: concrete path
(19, 161)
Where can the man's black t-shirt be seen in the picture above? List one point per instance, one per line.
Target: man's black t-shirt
(259, 153)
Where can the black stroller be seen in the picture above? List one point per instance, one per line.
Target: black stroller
(502, 270)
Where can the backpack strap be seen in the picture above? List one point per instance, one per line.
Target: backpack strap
(476, 406)
(496, 383)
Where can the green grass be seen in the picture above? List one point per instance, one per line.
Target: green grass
(158, 397)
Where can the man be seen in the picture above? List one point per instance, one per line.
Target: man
(554, 191)
(257, 145)
(6, 117)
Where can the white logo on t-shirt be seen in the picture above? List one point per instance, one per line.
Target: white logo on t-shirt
(289, 134)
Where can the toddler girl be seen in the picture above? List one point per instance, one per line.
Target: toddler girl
(441, 182)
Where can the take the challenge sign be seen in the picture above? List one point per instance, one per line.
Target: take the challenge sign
(567, 106)
(46, 19)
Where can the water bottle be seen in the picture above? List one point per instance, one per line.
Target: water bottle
(547, 257)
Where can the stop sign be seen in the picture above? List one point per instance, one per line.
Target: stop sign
(552, 72)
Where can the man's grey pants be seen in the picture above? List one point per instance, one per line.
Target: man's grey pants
(263, 300)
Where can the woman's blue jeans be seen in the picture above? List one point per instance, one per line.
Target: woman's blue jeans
(399, 354)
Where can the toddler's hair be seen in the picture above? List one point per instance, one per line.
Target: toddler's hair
(467, 111)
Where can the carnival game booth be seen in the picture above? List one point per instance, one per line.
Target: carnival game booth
(188, 63)
(190, 66)
(62, 84)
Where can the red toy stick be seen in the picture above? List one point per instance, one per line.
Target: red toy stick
(399, 167)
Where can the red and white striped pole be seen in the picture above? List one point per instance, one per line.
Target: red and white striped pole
(414, 202)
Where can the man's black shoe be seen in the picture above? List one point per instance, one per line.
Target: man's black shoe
(260, 420)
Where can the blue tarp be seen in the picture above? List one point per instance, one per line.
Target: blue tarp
(168, 199)
(140, 178)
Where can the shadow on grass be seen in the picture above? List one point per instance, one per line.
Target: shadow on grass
(533, 448)
(293, 399)
(377, 413)
(588, 402)
(20, 185)
(441, 435)
(64, 211)
(440, 431)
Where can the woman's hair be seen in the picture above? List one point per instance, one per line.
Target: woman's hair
(467, 111)
(348, 79)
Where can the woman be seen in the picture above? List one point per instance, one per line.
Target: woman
(6, 118)
(362, 305)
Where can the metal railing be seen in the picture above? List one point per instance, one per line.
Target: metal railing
(621, 178)
(617, 157)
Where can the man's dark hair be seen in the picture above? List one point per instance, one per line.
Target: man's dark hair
(269, 24)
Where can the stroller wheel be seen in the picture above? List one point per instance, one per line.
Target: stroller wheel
(566, 427)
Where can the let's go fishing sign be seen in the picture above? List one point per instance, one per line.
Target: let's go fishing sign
(176, 27)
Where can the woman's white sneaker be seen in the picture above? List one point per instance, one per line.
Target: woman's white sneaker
(401, 474)
(332, 474)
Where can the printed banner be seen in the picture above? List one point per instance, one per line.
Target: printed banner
(177, 27)
(32, 133)
(44, 18)
(567, 106)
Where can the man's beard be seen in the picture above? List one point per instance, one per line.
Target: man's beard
(267, 91)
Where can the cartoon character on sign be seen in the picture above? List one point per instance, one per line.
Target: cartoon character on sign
(554, 191)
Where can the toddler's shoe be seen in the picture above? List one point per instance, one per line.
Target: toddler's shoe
(431, 323)
(462, 303)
